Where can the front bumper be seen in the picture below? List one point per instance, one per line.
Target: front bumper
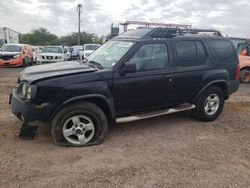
(11, 63)
(27, 111)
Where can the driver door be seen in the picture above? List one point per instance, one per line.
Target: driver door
(150, 85)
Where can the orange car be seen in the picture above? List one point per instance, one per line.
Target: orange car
(16, 55)
(244, 69)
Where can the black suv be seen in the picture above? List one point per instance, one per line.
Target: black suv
(139, 74)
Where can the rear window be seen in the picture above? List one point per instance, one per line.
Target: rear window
(222, 49)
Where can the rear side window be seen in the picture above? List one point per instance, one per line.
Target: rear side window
(190, 53)
(186, 53)
(222, 49)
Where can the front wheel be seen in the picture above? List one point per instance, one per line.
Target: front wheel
(209, 104)
(81, 124)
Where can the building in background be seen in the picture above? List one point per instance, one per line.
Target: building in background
(8, 36)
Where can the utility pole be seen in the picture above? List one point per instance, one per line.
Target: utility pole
(79, 10)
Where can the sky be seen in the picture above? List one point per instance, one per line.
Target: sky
(231, 17)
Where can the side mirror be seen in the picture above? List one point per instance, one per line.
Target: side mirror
(128, 68)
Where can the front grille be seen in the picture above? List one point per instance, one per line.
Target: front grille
(49, 57)
(6, 57)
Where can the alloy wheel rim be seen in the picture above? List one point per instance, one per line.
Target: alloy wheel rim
(212, 104)
(78, 129)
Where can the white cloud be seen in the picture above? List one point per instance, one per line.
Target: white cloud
(60, 17)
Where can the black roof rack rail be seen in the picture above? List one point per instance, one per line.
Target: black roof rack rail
(197, 31)
(164, 32)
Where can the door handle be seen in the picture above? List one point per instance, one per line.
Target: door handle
(170, 79)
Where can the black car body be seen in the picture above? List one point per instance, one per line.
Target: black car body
(139, 74)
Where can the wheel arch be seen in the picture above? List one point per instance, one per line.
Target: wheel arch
(245, 68)
(101, 101)
(222, 84)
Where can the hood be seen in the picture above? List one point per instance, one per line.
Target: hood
(39, 72)
(50, 54)
(9, 53)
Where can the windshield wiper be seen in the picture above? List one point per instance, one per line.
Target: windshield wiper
(96, 64)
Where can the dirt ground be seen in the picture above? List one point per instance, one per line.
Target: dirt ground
(168, 151)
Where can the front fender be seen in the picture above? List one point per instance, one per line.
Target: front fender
(91, 97)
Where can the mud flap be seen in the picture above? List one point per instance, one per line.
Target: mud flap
(27, 132)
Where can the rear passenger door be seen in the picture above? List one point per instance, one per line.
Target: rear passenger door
(191, 63)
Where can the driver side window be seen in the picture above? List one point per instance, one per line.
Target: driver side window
(150, 57)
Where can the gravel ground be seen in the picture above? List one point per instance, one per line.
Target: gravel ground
(167, 151)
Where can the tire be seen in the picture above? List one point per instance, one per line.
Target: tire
(31, 61)
(87, 114)
(245, 76)
(207, 109)
(24, 63)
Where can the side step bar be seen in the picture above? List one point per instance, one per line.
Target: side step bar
(155, 114)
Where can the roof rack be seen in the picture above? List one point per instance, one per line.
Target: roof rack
(165, 32)
(161, 33)
(212, 32)
(172, 32)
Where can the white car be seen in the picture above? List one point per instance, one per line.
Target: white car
(88, 49)
(36, 50)
(67, 53)
(51, 54)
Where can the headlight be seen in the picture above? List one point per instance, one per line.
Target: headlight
(26, 91)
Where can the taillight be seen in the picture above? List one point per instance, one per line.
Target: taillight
(237, 73)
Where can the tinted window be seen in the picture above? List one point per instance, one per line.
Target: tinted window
(150, 57)
(186, 54)
(222, 49)
(201, 53)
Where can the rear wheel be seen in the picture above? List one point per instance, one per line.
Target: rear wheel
(82, 124)
(209, 104)
(245, 76)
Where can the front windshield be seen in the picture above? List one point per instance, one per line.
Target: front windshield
(52, 50)
(110, 53)
(91, 47)
(11, 48)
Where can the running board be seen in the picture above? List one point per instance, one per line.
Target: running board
(154, 114)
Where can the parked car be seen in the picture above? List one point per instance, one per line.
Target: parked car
(36, 50)
(16, 55)
(244, 69)
(140, 74)
(51, 54)
(87, 50)
(75, 54)
(67, 53)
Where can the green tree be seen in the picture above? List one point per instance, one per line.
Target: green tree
(72, 39)
(38, 37)
(42, 37)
